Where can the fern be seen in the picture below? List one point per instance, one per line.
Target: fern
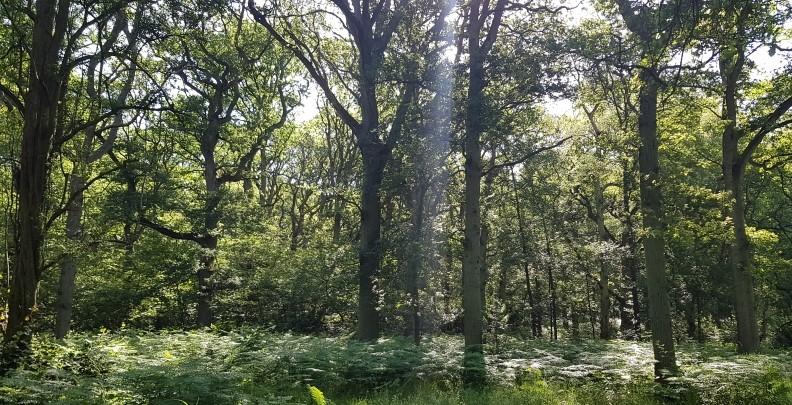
(317, 397)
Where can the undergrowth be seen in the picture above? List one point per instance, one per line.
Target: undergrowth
(252, 366)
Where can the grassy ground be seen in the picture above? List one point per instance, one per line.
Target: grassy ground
(257, 367)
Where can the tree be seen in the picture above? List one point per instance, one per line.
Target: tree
(52, 60)
(214, 83)
(480, 40)
(654, 28)
(96, 144)
(738, 27)
(371, 26)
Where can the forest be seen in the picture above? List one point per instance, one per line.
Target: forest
(396, 202)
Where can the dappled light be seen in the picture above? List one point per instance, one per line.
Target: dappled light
(396, 202)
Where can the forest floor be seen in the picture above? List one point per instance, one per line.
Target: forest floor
(251, 366)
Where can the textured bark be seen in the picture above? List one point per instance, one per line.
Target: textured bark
(206, 267)
(415, 259)
(631, 317)
(471, 265)
(641, 22)
(376, 156)
(40, 114)
(474, 372)
(63, 305)
(206, 263)
(733, 167)
(533, 308)
(604, 277)
(551, 286)
(471, 262)
(654, 241)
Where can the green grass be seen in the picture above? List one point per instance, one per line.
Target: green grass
(251, 366)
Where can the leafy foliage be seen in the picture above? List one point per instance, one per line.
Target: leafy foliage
(254, 366)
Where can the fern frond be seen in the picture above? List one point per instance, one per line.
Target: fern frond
(317, 397)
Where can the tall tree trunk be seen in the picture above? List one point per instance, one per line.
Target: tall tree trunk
(375, 158)
(744, 305)
(654, 241)
(588, 307)
(733, 177)
(415, 259)
(474, 372)
(536, 325)
(372, 30)
(40, 117)
(63, 306)
(206, 267)
(604, 279)
(551, 282)
(629, 261)
(208, 244)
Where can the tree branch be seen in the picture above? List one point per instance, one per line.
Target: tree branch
(165, 231)
(527, 156)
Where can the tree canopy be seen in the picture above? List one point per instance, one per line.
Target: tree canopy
(612, 170)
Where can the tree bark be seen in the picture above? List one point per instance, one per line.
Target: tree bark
(63, 305)
(641, 22)
(415, 258)
(474, 368)
(551, 282)
(733, 168)
(629, 262)
(654, 240)
(375, 158)
(41, 107)
(474, 372)
(604, 279)
(206, 263)
(372, 30)
(536, 325)
(206, 267)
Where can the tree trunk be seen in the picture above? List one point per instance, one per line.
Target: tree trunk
(85, 157)
(629, 261)
(415, 259)
(536, 325)
(338, 211)
(744, 306)
(40, 116)
(294, 220)
(374, 159)
(206, 267)
(604, 279)
(588, 307)
(551, 282)
(740, 255)
(474, 372)
(654, 241)
(206, 262)
(63, 306)
(731, 64)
